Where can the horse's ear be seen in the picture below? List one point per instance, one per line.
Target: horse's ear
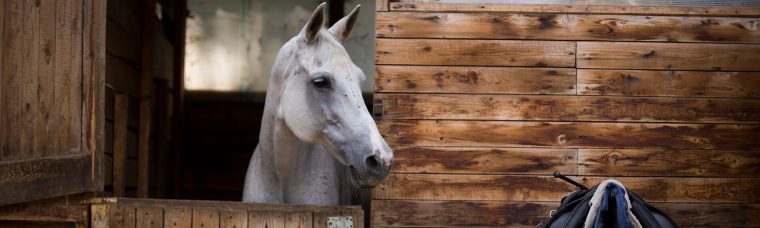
(342, 28)
(315, 23)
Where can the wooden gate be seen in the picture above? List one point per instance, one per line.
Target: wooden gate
(482, 102)
(51, 98)
(126, 212)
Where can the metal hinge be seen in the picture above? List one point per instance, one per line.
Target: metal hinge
(340, 222)
(377, 109)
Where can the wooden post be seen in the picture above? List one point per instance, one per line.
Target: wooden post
(162, 137)
(119, 143)
(180, 14)
(335, 9)
(146, 81)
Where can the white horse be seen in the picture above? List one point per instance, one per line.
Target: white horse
(318, 143)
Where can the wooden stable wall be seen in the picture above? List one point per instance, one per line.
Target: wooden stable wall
(482, 102)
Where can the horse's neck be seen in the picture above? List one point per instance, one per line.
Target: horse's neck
(277, 144)
(301, 168)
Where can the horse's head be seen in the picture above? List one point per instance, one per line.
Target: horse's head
(322, 100)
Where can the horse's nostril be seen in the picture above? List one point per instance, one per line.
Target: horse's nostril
(372, 161)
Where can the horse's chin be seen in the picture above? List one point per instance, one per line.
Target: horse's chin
(363, 183)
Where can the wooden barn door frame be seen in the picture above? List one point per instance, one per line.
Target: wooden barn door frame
(61, 175)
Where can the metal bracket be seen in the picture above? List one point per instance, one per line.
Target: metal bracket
(377, 109)
(340, 222)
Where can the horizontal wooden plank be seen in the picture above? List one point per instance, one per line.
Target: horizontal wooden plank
(404, 213)
(221, 205)
(566, 27)
(53, 212)
(593, 162)
(484, 160)
(654, 162)
(475, 52)
(471, 187)
(579, 8)
(48, 177)
(669, 56)
(546, 188)
(407, 213)
(712, 215)
(669, 83)
(568, 108)
(496, 80)
(569, 134)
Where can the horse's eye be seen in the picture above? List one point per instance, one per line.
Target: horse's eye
(321, 82)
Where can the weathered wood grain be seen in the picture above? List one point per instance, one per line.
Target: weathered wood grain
(205, 218)
(266, 219)
(181, 213)
(569, 134)
(150, 217)
(118, 217)
(357, 216)
(100, 216)
(483, 160)
(475, 52)
(226, 205)
(381, 5)
(2, 79)
(19, 79)
(46, 79)
(178, 217)
(407, 213)
(568, 108)
(546, 188)
(120, 145)
(669, 56)
(655, 162)
(579, 8)
(71, 76)
(130, 217)
(93, 86)
(47, 177)
(233, 219)
(320, 218)
(49, 212)
(471, 187)
(109, 215)
(146, 95)
(665, 112)
(566, 27)
(669, 83)
(712, 215)
(492, 80)
(301, 219)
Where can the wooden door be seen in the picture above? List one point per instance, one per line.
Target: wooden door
(51, 98)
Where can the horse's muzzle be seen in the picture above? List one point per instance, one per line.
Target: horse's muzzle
(371, 173)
